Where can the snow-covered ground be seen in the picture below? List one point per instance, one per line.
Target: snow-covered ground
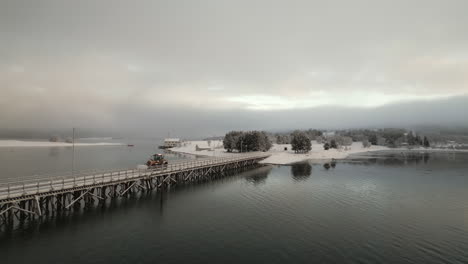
(278, 154)
(19, 143)
(216, 146)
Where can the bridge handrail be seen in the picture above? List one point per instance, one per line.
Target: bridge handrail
(54, 184)
(86, 171)
(134, 173)
(69, 174)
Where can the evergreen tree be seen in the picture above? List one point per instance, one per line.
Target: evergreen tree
(418, 140)
(246, 141)
(411, 139)
(366, 144)
(230, 140)
(426, 142)
(373, 139)
(392, 135)
(282, 139)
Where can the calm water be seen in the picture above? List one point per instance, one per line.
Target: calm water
(375, 209)
(26, 161)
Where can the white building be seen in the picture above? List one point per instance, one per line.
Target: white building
(171, 142)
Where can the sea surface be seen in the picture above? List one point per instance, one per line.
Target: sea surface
(18, 162)
(379, 208)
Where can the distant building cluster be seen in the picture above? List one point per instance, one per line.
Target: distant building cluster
(172, 142)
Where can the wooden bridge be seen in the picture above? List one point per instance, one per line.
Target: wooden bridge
(36, 196)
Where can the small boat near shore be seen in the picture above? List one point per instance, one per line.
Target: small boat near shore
(164, 147)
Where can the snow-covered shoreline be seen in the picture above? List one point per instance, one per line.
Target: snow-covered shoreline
(317, 154)
(20, 143)
(278, 153)
(280, 156)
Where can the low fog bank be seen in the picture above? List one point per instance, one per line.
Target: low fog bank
(191, 123)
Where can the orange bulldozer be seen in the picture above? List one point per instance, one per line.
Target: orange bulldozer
(156, 160)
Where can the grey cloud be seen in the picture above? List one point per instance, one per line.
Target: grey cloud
(110, 63)
(141, 121)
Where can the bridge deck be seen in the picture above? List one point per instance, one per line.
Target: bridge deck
(17, 189)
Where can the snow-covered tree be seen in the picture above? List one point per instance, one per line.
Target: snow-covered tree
(319, 139)
(247, 141)
(300, 142)
(373, 139)
(230, 140)
(366, 144)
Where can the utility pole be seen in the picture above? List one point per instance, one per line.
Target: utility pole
(73, 153)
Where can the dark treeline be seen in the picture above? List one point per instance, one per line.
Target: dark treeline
(285, 138)
(245, 141)
(392, 137)
(300, 140)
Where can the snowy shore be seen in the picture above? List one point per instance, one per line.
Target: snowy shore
(318, 154)
(19, 143)
(278, 154)
(281, 156)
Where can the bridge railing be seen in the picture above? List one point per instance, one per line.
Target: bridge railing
(70, 174)
(30, 186)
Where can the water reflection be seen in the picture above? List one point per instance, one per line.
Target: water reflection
(401, 159)
(54, 152)
(259, 175)
(426, 158)
(301, 171)
(331, 164)
(361, 214)
(63, 218)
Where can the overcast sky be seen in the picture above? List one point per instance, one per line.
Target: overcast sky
(204, 67)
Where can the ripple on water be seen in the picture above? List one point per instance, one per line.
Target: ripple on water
(377, 211)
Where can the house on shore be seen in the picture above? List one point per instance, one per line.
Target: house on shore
(197, 148)
(172, 142)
